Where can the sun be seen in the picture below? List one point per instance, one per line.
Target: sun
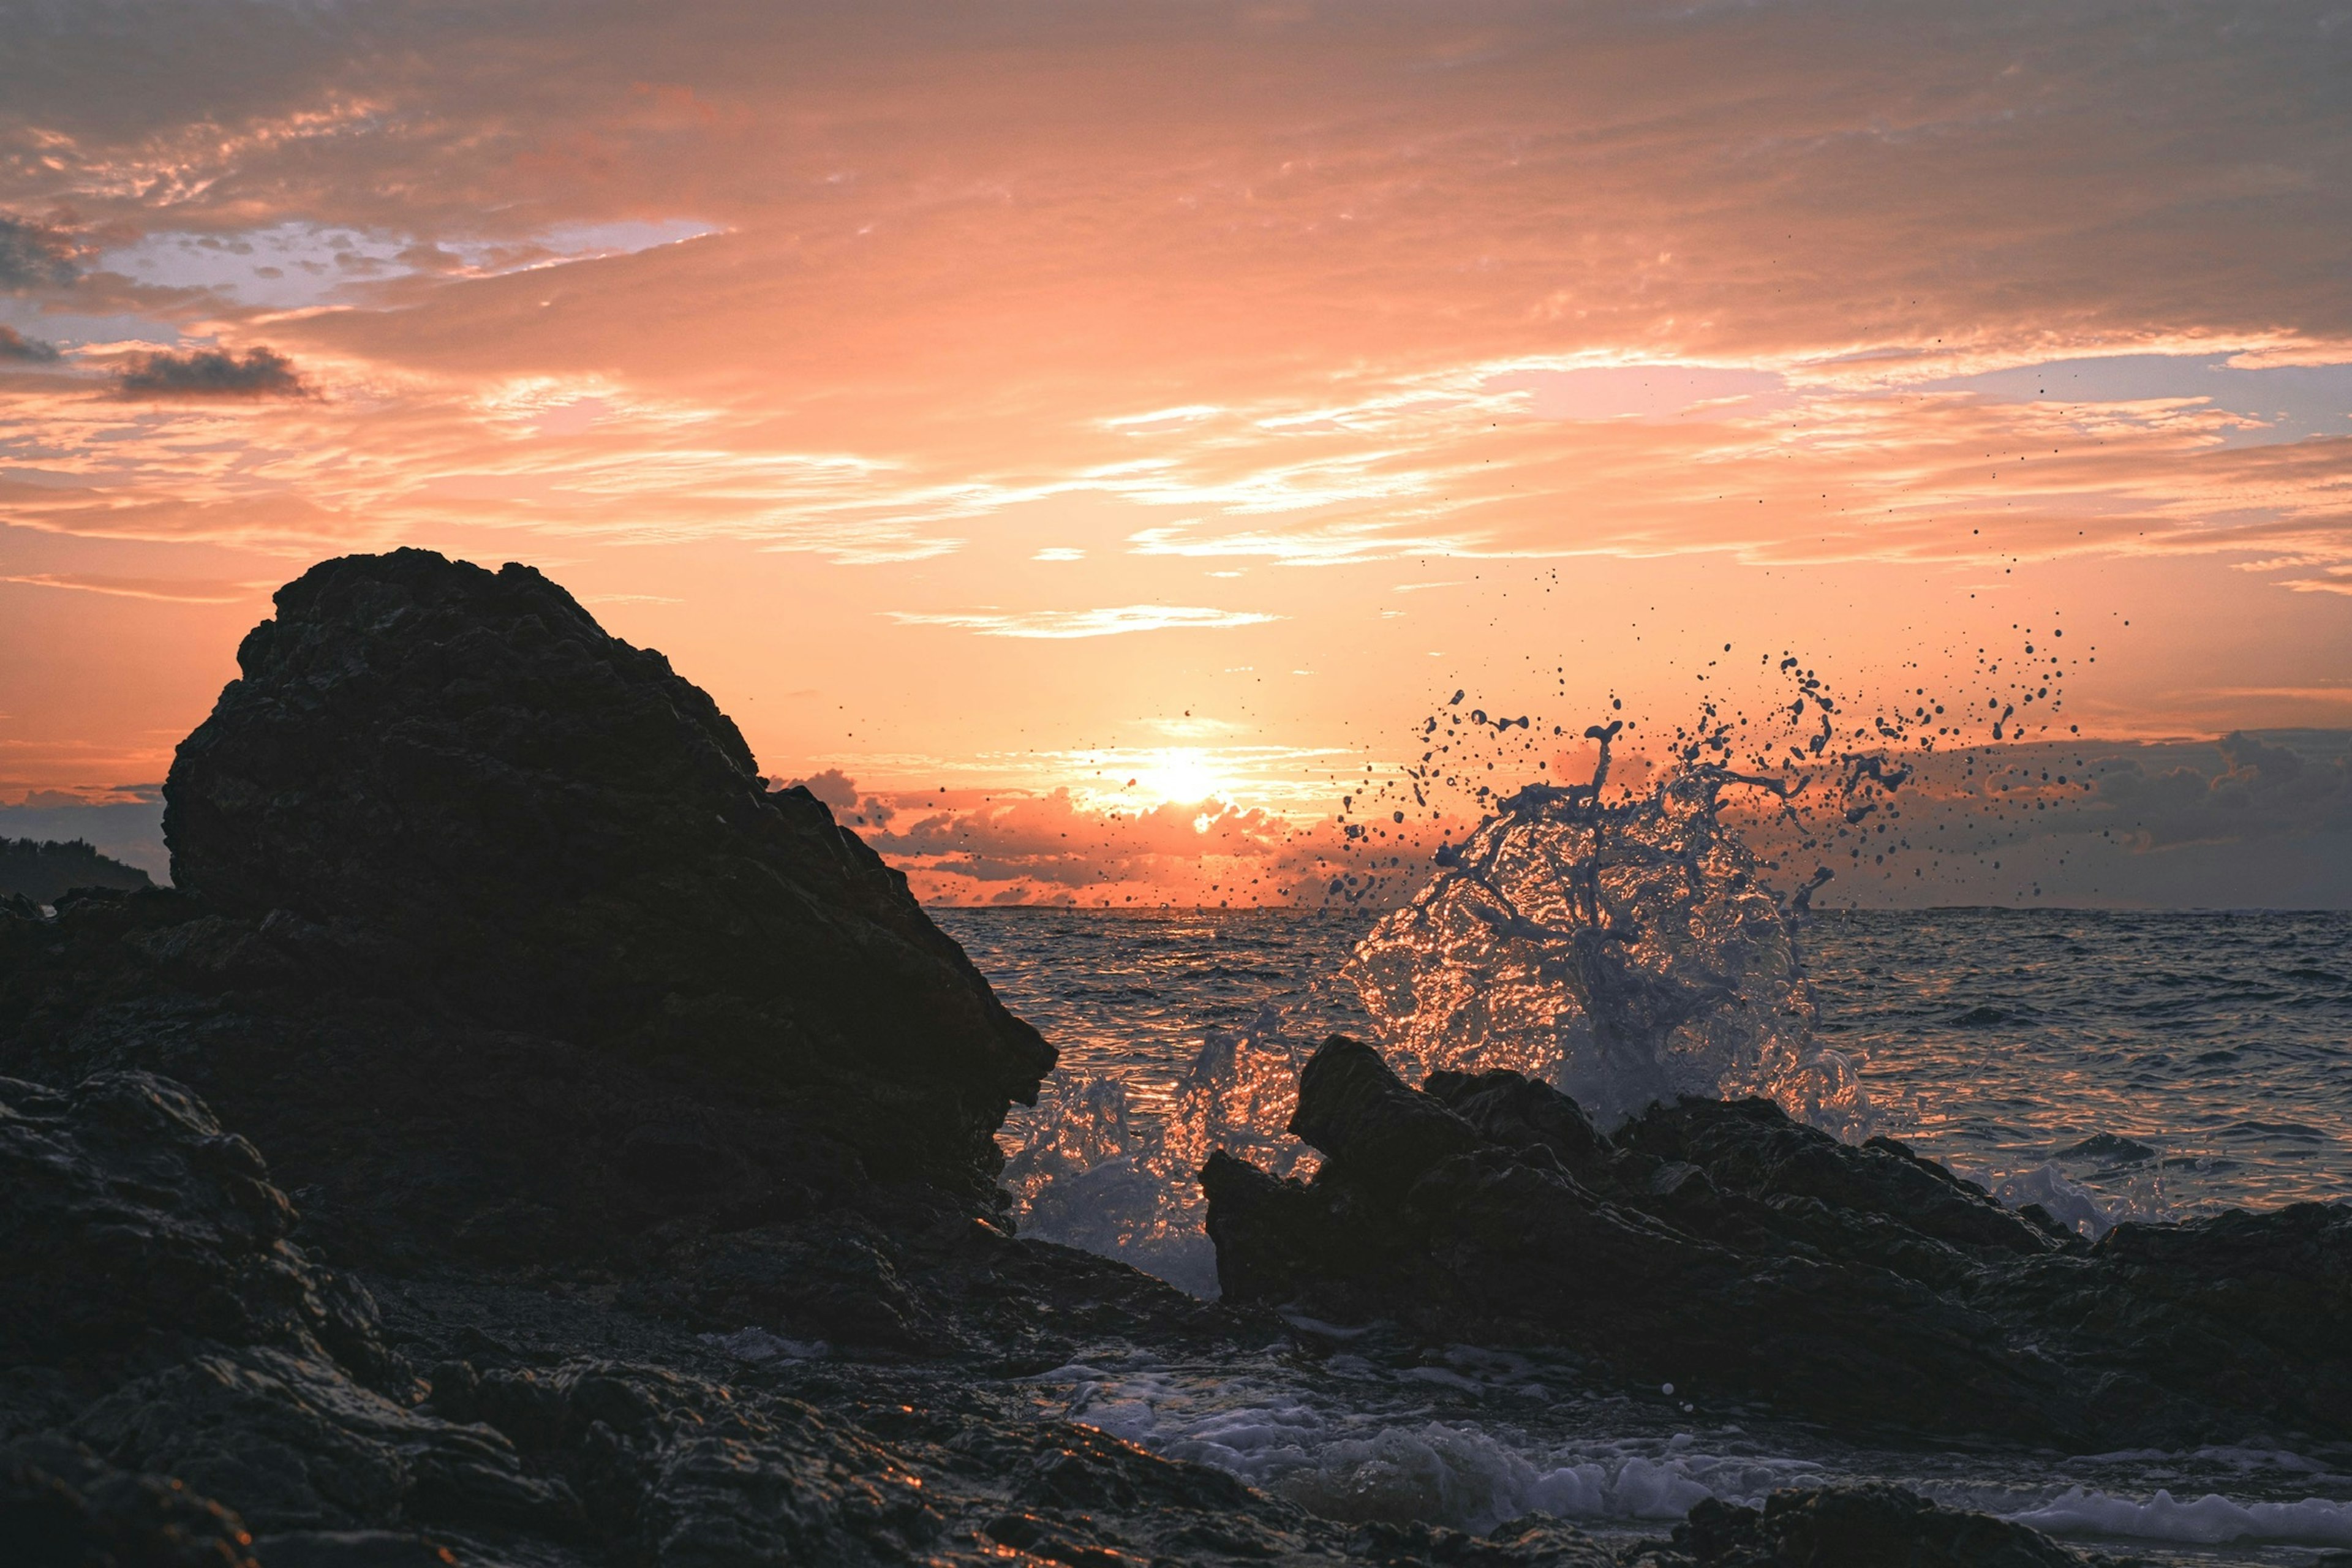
(1180, 776)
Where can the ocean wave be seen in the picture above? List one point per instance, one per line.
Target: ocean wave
(2210, 1521)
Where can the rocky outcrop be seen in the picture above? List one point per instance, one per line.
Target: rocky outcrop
(185, 1387)
(42, 871)
(487, 927)
(166, 1344)
(457, 782)
(1852, 1527)
(1741, 1257)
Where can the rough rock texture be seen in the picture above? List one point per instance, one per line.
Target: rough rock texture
(1728, 1250)
(457, 782)
(1852, 1527)
(60, 1504)
(164, 1344)
(487, 927)
(228, 1402)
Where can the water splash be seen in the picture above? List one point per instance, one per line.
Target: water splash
(1627, 950)
(1622, 943)
(1089, 1171)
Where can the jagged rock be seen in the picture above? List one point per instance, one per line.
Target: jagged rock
(552, 831)
(1855, 1527)
(487, 927)
(165, 1343)
(131, 1216)
(63, 1507)
(1730, 1251)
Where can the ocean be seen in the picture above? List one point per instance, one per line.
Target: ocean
(2112, 1065)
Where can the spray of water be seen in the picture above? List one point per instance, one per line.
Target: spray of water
(1089, 1172)
(1625, 944)
(1628, 952)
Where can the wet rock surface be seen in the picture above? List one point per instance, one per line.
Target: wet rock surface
(398, 1188)
(1852, 1527)
(1743, 1257)
(239, 1405)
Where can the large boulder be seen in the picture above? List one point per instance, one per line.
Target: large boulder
(542, 827)
(486, 926)
(1727, 1250)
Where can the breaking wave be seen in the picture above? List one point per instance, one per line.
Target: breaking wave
(1627, 950)
(1628, 953)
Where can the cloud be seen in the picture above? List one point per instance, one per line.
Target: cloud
(15, 345)
(833, 786)
(208, 374)
(1348, 543)
(2265, 789)
(1104, 623)
(173, 590)
(34, 257)
(1185, 296)
(1050, 847)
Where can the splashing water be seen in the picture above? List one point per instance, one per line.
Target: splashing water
(1619, 944)
(1091, 1172)
(1627, 952)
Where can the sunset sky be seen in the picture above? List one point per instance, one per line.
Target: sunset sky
(987, 401)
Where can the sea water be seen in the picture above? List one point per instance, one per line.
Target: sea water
(2111, 1064)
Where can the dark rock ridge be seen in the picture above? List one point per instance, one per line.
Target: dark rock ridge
(40, 870)
(165, 1344)
(456, 782)
(1851, 1527)
(185, 1387)
(1742, 1256)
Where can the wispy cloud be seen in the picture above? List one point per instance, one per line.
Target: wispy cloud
(165, 590)
(1351, 544)
(1117, 621)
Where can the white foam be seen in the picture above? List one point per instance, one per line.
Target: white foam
(2070, 1203)
(1627, 954)
(756, 1344)
(1350, 1465)
(1089, 1171)
(2210, 1520)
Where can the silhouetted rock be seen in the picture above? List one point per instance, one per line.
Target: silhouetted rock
(458, 777)
(42, 871)
(486, 926)
(1854, 1527)
(1737, 1255)
(131, 1215)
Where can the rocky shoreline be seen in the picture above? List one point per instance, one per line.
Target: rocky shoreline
(1728, 1249)
(397, 1187)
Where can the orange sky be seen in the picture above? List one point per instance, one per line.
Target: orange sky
(1027, 398)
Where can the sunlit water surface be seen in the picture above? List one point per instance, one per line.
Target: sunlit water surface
(2140, 1064)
